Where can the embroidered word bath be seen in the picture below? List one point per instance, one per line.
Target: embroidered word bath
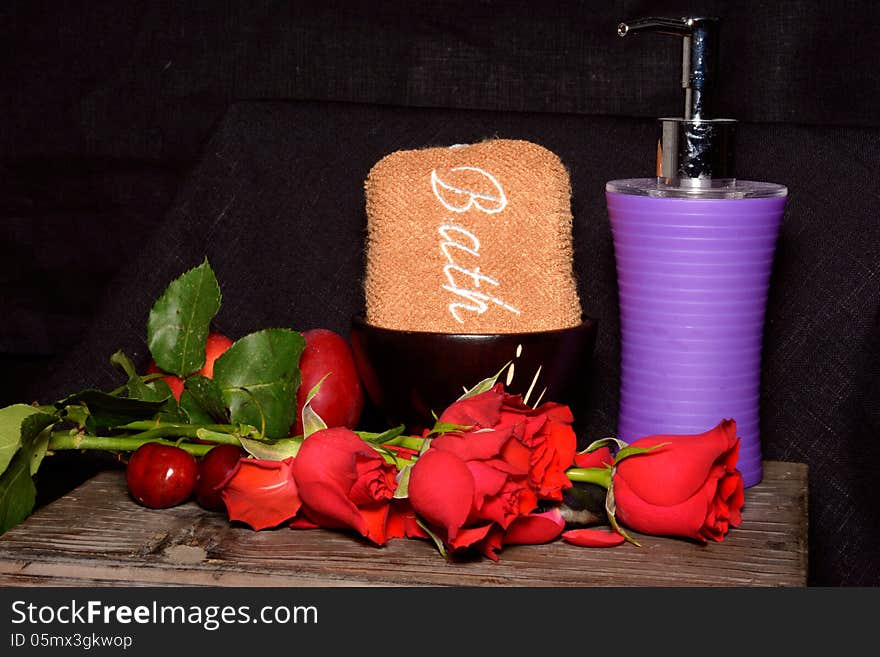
(456, 241)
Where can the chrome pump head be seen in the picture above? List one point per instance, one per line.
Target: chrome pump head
(695, 149)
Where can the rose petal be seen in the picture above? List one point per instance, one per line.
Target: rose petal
(327, 506)
(474, 445)
(535, 528)
(685, 519)
(593, 538)
(402, 452)
(328, 456)
(517, 454)
(376, 479)
(375, 518)
(550, 459)
(735, 498)
(394, 526)
(467, 536)
(479, 411)
(441, 490)
(488, 481)
(504, 507)
(402, 521)
(595, 459)
(674, 473)
(261, 494)
(302, 522)
(557, 413)
(491, 545)
(514, 404)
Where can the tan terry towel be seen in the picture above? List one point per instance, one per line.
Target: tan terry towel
(470, 239)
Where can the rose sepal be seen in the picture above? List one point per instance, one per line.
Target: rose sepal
(611, 512)
(484, 385)
(311, 421)
(629, 451)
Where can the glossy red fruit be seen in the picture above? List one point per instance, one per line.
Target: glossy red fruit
(340, 400)
(160, 476)
(215, 345)
(214, 468)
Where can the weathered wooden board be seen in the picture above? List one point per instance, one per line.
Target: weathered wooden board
(97, 536)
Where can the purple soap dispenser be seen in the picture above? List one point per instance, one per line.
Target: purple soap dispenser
(694, 250)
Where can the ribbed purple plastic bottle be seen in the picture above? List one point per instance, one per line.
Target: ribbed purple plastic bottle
(693, 270)
(694, 249)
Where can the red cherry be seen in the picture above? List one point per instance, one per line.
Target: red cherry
(215, 345)
(340, 399)
(214, 468)
(160, 476)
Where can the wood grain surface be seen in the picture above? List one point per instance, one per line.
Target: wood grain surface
(97, 536)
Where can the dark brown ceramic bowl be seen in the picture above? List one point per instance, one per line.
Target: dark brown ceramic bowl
(409, 374)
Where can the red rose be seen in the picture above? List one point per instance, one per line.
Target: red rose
(544, 444)
(689, 487)
(343, 482)
(465, 489)
(261, 494)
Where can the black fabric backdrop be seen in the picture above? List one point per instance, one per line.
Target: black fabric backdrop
(124, 164)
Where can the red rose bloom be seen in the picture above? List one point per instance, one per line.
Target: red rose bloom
(544, 444)
(465, 489)
(470, 492)
(343, 482)
(689, 487)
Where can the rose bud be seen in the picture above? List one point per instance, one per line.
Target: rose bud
(688, 487)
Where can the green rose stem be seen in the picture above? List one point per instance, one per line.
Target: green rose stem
(600, 476)
(149, 431)
(410, 442)
(61, 440)
(189, 429)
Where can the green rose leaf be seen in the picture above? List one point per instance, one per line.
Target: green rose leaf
(17, 492)
(144, 388)
(76, 413)
(180, 319)
(11, 419)
(193, 411)
(258, 377)
(106, 410)
(35, 430)
(207, 395)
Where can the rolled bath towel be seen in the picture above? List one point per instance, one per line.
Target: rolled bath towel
(470, 239)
